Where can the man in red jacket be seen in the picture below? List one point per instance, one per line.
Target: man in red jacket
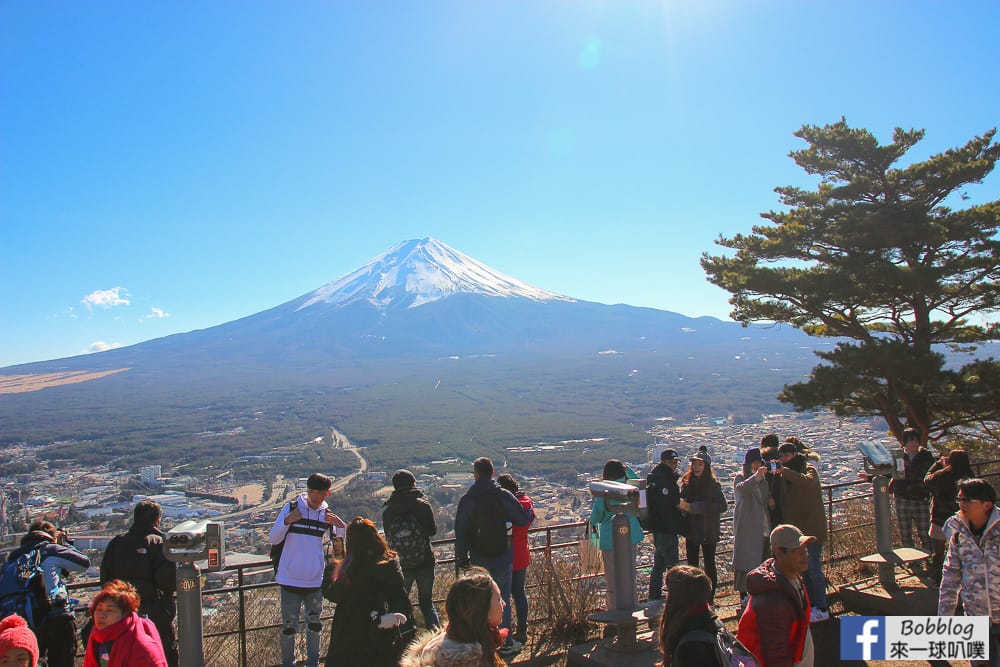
(775, 625)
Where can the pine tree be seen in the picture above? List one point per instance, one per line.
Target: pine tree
(876, 257)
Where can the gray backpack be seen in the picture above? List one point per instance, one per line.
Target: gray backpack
(729, 651)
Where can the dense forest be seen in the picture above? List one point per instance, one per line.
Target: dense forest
(404, 413)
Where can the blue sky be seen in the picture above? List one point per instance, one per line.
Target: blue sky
(166, 167)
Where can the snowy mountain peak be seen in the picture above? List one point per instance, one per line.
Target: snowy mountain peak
(420, 271)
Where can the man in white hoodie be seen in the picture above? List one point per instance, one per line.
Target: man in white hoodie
(300, 569)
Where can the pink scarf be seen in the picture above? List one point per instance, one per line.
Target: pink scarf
(136, 644)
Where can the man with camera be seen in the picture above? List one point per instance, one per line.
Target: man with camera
(802, 506)
(52, 621)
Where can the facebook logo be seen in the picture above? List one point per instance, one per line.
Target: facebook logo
(862, 637)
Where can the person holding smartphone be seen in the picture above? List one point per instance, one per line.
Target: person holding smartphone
(751, 524)
(769, 452)
(802, 506)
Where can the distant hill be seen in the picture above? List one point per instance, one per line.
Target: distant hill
(421, 353)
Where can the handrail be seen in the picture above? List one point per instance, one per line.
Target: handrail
(546, 541)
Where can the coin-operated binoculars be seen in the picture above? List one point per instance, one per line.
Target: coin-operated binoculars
(185, 544)
(623, 500)
(883, 465)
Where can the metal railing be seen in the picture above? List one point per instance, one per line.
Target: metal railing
(242, 614)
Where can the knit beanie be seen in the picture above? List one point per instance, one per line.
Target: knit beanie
(752, 454)
(15, 633)
(403, 480)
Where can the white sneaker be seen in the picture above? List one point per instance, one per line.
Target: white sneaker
(818, 615)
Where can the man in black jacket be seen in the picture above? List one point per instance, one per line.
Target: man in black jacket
(483, 521)
(662, 496)
(406, 510)
(137, 557)
(55, 626)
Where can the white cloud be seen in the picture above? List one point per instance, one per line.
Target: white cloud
(157, 314)
(106, 298)
(100, 346)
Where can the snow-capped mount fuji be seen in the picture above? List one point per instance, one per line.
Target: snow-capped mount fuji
(423, 336)
(421, 271)
(420, 300)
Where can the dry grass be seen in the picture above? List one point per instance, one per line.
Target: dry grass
(22, 384)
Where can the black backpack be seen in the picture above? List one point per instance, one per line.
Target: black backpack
(20, 583)
(407, 539)
(487, 529)
(729, 651)
(276, 549)
(655, 505)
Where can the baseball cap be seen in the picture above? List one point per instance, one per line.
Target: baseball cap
(669, 455)
(787, 536)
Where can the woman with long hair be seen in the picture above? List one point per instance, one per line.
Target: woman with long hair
(702, 499)
(942, 479)
(688, 608)
(472, 635)
(601, 516)
(750, 519)
(373, 616)
(120, 637)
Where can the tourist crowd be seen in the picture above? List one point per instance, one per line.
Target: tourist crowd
(779, 529)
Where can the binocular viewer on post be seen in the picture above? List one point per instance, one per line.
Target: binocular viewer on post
(194, 540)
(879, 460)
(619, 496)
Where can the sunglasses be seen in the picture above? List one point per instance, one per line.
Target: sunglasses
(961, 500)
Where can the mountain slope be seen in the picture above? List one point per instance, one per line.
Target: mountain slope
(423, 352)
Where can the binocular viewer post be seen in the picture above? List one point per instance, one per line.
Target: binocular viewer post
(883, 465)
(186, 544)
(623, 500)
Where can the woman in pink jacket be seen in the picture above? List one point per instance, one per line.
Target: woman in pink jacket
(121, 638)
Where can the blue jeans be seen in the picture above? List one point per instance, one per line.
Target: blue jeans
(665, 556)
(813, 578)
(291, 602)
(517, 580)
(502, 573)
(424, 576)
